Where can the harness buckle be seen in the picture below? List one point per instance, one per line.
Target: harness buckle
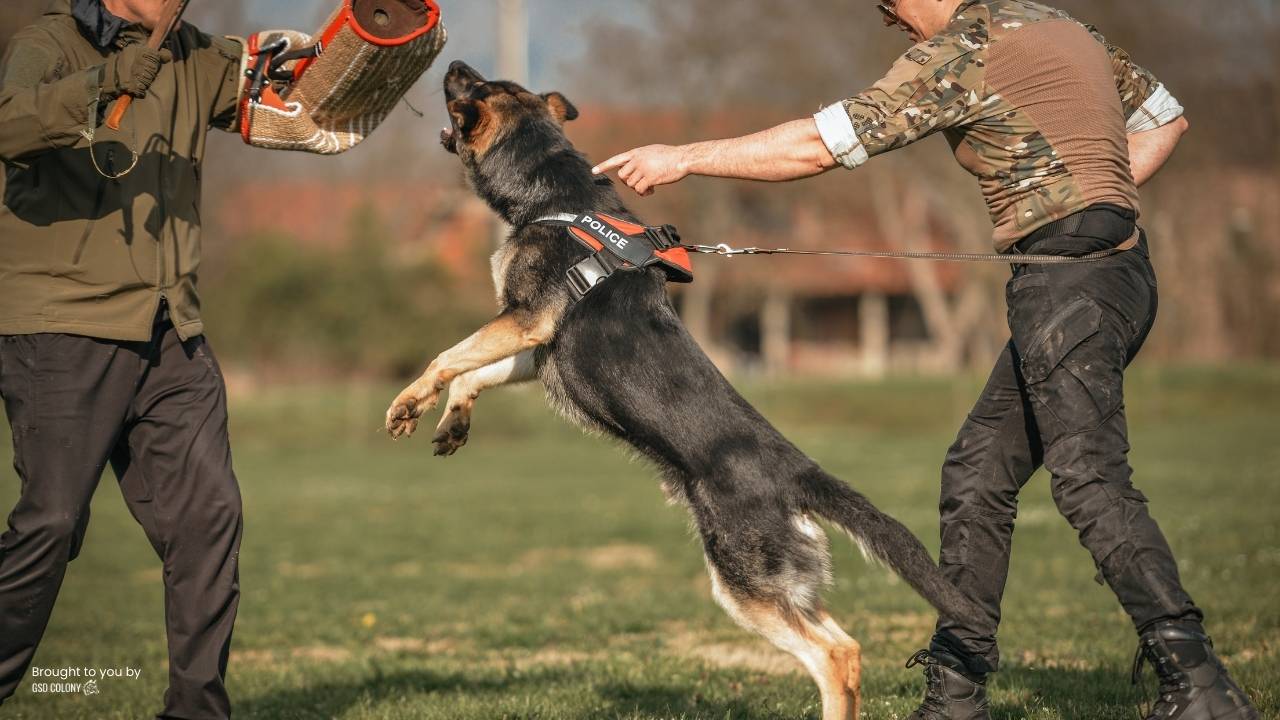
(587, 273)
(662, 238)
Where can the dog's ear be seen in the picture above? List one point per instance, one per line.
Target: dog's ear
(561, 109)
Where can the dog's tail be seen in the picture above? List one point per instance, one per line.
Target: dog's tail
(888, 541)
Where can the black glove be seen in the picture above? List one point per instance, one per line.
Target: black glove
(132, 70)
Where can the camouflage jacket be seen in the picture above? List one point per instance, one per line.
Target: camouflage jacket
(1035, 104)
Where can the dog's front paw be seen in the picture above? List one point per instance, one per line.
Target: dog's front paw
(402, 419)
(408, 407)
(453, 430)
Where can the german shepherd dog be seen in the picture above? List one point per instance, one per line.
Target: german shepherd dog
(620, 362)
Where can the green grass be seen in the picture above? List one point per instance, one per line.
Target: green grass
(540, 574)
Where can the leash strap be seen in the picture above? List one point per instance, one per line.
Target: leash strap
(1013, 259)
(619, 245)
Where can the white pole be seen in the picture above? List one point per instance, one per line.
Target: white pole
(513, 64)
(513, 41)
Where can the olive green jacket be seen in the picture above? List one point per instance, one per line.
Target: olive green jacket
(80, 253)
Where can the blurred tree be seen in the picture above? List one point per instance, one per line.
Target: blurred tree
(707, 68)
(751, 63)
(284, 307)
(734, 68)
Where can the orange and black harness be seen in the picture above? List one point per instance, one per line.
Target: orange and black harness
(617, 244)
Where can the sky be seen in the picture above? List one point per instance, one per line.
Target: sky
(556, 30)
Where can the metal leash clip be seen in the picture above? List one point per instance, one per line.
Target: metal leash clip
(725, 250)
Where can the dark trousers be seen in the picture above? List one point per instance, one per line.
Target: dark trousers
(156, 411)
(1056, 398)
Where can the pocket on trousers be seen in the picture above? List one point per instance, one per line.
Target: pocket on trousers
(955, 543)
(1074, 367)
(1026, 294)
(17, 388)
(19, 357)
(1076, 323)
(1027, 280)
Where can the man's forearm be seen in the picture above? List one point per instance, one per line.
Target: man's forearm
(47, 116)
(37, 112)
(789, 151)
(1148, 151)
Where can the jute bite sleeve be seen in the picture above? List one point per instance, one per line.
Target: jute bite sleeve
(364, 59)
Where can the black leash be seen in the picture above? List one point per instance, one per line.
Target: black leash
(725, 250)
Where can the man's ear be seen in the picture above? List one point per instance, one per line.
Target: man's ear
(561, 109)
(466, 114)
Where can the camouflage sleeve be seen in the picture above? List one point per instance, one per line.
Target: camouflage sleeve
(932, 87)
(40, 109)
(1147, 104)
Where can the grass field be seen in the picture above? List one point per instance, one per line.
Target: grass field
(539, 573)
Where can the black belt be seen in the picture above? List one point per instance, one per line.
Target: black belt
(1097, 227)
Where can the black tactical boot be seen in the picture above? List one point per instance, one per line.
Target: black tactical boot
(949, 693)
(1193, 683)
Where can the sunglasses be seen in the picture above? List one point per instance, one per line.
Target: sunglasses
(891, 17)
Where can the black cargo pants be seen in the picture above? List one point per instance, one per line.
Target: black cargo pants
(1056, 397)
(157, 411)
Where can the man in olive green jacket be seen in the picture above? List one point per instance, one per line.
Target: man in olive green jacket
(102, 357)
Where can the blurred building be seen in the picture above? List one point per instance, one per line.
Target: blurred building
(438, 222)
(821, 315)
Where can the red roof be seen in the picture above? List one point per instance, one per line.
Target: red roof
(441, 221)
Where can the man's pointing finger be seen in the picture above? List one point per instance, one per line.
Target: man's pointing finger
(612, 163)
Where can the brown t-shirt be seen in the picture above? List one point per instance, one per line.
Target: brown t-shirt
(1037, 106)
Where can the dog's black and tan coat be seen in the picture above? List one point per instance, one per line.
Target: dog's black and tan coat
(620, 361)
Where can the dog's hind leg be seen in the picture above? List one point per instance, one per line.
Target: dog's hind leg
(455, 424)
(832, 658)
(846, 658)
(766, 573)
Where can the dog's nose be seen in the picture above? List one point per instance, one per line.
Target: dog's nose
(464, 73)
(460, 79)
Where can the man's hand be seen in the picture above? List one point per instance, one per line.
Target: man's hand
(132, 70)
(645, 168)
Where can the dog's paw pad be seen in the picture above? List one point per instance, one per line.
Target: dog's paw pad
(451, 437)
